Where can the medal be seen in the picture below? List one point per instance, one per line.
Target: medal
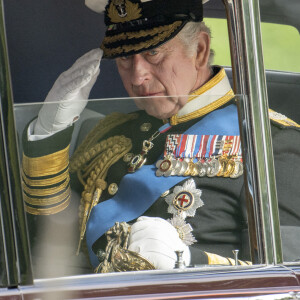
(165, 167)
(194, 171)
(178, 167)
(201, 155)
(183, 202)
(238, 169)
(215, 167)
(202, 168)
(229, 169)
(190, 169)
(182, 167)
(184, 230)
(223, 162)
(140, 159)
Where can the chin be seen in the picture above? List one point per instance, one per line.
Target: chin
(159, 108)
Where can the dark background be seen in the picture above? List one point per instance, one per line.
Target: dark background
(45, 37)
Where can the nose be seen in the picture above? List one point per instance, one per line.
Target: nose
(140, 70)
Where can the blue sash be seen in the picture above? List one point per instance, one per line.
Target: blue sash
(139, 190)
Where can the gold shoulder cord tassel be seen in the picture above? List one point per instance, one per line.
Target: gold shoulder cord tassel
(90, 202)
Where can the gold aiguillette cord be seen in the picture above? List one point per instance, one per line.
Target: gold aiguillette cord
(88, 208)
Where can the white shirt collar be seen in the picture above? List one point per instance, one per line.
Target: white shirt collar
(213, 94)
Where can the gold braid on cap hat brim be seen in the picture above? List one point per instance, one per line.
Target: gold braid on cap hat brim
(160, 34)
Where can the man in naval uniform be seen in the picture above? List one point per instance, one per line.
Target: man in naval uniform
(167, 178)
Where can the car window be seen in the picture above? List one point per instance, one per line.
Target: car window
(54, 235)
(55, 239)
(281, 45)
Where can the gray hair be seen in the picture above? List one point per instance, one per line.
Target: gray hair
(189, 37)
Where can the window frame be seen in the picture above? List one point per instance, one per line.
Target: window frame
(18, 266)
(12, 213)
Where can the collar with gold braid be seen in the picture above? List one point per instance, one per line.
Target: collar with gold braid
(212, 95)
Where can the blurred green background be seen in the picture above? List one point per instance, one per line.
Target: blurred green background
(281, 45)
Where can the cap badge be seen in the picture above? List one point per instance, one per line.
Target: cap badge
(120, 6)
(123, 11)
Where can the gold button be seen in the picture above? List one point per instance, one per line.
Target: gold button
(166, 193)
(113, 188)
(145, 127)
(128, 157)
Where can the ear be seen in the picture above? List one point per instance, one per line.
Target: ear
(203, 50)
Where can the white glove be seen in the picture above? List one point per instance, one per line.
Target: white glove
(68, 96)
(96, 5)
(157, 240)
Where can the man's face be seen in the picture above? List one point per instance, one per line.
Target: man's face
(166, 75)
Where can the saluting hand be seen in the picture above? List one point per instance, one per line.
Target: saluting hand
(69, 94)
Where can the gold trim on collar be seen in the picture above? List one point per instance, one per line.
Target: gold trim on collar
(202, 111)
(174, 120)
(46, 165)
(208, 85)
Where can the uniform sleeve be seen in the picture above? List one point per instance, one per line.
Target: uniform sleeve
(207, 258)
(45, 173)
(286, 149)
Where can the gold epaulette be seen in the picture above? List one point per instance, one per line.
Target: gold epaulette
(46, 182)
(282, 120)
(215, 259)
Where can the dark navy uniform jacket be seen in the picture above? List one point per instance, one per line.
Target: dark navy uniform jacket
(219, 226)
